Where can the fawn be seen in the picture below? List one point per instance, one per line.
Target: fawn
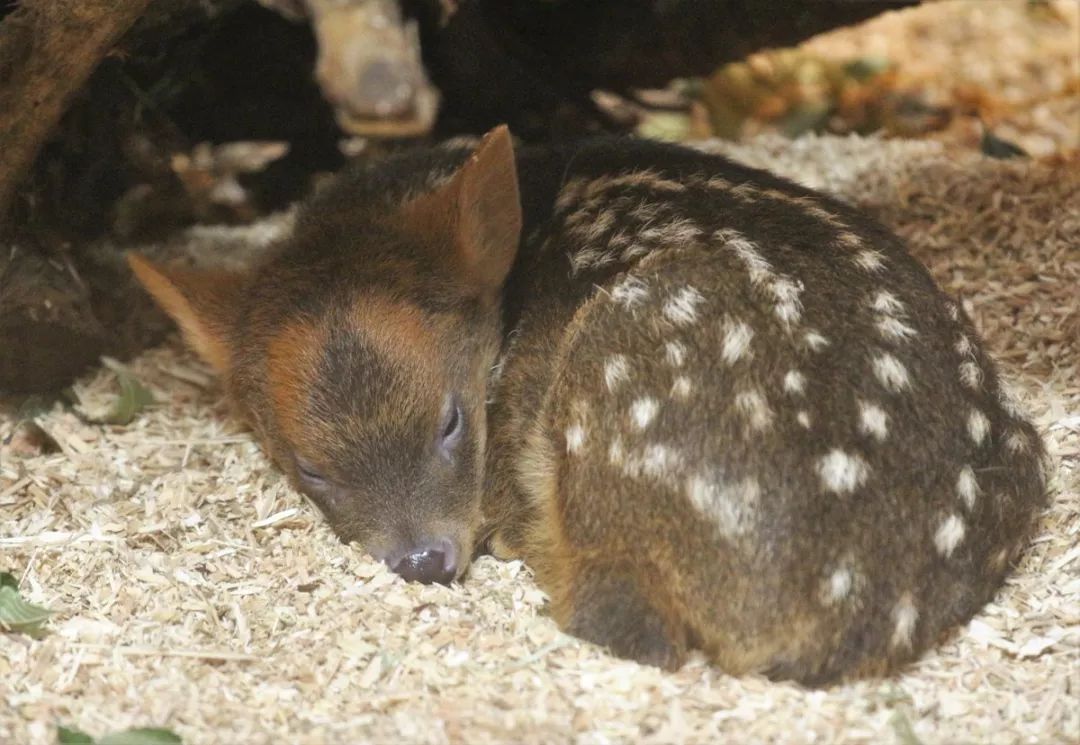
(710, 408)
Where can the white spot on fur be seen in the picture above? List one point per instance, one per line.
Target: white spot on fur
(630, 292)
(870, 260)
(803, 418)
(967, 487)
(890, 372)
(842, 472)
(755, 408)
(1017, 443)
(672, 232)
(815, 341)
(949, 534)
(894, 328)
(736, 344)
(675, 353)
(731, 506)
(964, 346)
(757, 266)
(848, 239)
(885, 302)
(873, 420)
(681, 387)
(616, 371)
(904, 615)
(643, 411)
(954, 311)
(971, 375)
(575, 438)
(681, 308)
(1009, 398)
(978, 426)
(794, 382)
(659, 460)
(788, 308)
(838, 585)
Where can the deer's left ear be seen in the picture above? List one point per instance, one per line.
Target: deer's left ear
(475, 217)
(202, 302)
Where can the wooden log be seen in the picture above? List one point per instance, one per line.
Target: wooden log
(48, 49)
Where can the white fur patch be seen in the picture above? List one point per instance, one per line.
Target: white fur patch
(870, 260)
(904, 615)
(788, 308)
(815, 341)
(575, 438)
(675, 353)
(949, 535)
(643, 411)
(630, 292)
(616, 371)
(971, 375)
(842, 472)
(1009, 398)
(894, 328)
(887, 303)
(794, 382)
(803, 418)
(736, 344)
(964, 346)
(681, 387)
(873, 420)
(1017, 442)
(978, 426)
(681, 308)
(659, 460)
(847, 239)
(757, 266)
(755, 408)
(837, 586)
(967, 487)
(732, 507)
(890, 372)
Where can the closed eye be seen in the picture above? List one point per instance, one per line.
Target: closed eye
(309, 475)
(451, 426)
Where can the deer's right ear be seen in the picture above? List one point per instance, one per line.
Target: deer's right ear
(202, 302)
(474, 219)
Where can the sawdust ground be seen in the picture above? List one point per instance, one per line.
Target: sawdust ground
(196, 591)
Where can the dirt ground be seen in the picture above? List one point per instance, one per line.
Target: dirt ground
(194, 590)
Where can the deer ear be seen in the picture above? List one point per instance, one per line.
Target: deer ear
(476, 215)
(202, 302)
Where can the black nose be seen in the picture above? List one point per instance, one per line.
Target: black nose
(431, 561)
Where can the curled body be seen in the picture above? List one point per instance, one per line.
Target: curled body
(712, 409)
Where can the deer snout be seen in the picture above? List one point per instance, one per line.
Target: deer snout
(432, 560)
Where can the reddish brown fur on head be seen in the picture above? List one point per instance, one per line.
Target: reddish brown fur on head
(360, 353)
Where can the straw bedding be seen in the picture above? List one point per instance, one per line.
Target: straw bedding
(196, 591)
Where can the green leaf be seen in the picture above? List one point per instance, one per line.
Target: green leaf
(996, 147)
(142, 736)
(15, 613)
(65, 736)
(864, 68)
(134, 397)
(901, 725)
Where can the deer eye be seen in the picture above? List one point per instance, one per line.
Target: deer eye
(451, 426)
(309, 475)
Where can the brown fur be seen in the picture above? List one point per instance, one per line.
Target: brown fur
(724, 413)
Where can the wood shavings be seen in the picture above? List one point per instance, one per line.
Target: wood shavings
(198, 592)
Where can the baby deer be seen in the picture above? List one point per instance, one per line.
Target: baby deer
(712, 409)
